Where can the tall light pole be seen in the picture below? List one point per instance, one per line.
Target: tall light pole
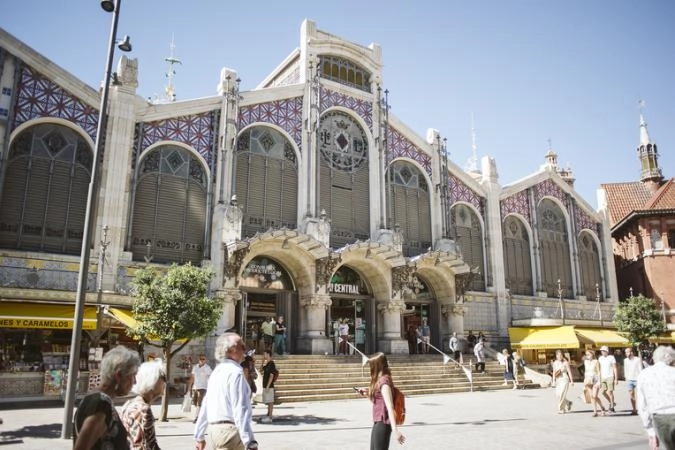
(112, 6)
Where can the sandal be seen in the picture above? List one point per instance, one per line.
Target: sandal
(595, 414)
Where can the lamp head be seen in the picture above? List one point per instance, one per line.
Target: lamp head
(108, 5)
(125, 45)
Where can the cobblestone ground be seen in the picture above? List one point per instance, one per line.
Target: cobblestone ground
(473, 421)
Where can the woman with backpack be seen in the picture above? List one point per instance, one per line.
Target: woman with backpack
(381, 394)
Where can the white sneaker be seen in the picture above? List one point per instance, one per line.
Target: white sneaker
(266, 419)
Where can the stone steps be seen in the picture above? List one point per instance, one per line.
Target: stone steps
(318, 377)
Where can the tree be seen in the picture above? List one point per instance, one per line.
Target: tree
(639, 318)
(173, 307)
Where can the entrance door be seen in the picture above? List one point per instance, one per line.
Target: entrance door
(356, 315)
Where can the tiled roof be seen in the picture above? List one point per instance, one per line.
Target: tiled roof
(664, 198)
(625, 198)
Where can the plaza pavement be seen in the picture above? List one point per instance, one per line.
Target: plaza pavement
(505, 419)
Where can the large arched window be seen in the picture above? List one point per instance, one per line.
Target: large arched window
(589, 262)
(344, 185)
(170, 207)
(517, 260)
(44, 197)
(410, 207)
(266, 180)
(554, 250)
(469, 235)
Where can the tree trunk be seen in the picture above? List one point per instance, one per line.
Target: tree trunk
(165, 398)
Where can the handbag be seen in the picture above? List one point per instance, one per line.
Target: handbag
(268, 395)
(187, 402)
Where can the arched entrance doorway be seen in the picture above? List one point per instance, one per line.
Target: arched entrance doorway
(352, 304)
(420, 305)
(268, 291)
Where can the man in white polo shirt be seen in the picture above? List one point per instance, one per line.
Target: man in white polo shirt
(200, 379)
(632, 366)
(609, 376)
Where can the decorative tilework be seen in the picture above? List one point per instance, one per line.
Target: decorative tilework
(517, 203)
(548, 188)
(286, 114)
(361, 107)
(196, 131)
(401, 147)
(38, 96)
(584, 221)
(460, 192)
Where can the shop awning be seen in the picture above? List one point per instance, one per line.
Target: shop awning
(666, 338)
(45, 316)
(124, 316)
(599, 337)
(543, 338)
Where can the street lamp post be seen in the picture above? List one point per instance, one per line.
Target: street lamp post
(92, 196)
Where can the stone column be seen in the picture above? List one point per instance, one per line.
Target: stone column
(312, 339)
(389, 339)
(230, 299)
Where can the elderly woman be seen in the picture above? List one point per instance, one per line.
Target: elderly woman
(656, 399)
(96, 423)
(136, 413)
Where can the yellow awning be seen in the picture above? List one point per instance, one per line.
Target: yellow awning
(665, 338)
(600, 337)
(124, 316)
(45, 316)
(543, 338)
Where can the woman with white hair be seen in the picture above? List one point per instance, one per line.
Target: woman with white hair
(656, 399)
(96, 423)
(136, 413)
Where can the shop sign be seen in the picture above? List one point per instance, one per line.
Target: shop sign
(336, 288)
(265, 273)
(53, 324)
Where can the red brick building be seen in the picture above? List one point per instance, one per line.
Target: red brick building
(641, 215)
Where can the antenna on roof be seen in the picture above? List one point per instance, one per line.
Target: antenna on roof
(169, 90)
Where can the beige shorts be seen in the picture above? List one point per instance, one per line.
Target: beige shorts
(608, 384)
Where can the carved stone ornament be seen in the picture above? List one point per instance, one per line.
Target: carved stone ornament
(395, 307)
(401, 278)
(232, 296)
(316, 301)
(233, 262)
(458, 310)
(463, 283)
(325, 267)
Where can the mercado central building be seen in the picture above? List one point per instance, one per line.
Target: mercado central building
(307, 196)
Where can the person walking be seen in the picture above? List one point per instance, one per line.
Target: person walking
(199, 380)
(343, 330)
(592, 382)
(411, 335)
(632, 366)
(426, 335)
(267, 329)
(137, 412)
(226, 410)
(471, 339)
(381, 396)
(280, 336)
(656, 399)
(454, 347)
(562, 377)
(96, 424)
(479, 352)
(609, 376)
(270, 374)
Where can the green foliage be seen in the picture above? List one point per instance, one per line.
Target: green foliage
(639, 318)
(174, 305)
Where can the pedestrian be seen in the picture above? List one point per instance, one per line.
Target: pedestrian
(609, 376)
(656, 399)
(280, 336)
(562, 377)
(412, 340)
(454, 347)
(471, 339)
(381, 396)
(96, 424)
(199, 380)
(518, 368)
(418, 335)
(592, 382)
(343, 330)
(137, 412)
(479, 352)
(632, 366)
(270, 374)
(426, 335)
(248, 365)
(267, 329)
(226, 409)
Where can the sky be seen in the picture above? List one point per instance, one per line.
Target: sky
(566, 75)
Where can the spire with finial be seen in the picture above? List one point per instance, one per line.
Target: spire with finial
(169, 90)
(472, 163)
(551, 158)
(647, 151)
